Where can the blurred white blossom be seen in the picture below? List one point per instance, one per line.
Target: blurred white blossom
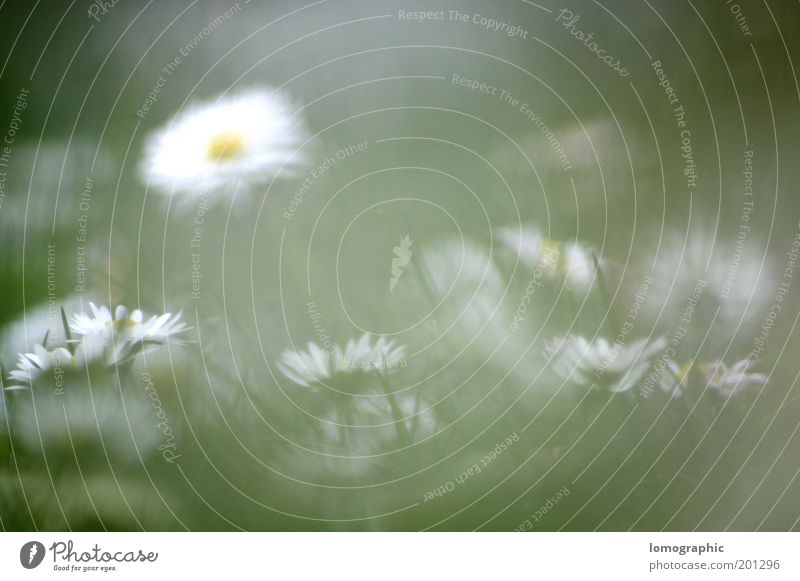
(118, 337)
(571, 262)
(315, 365)
(32, 366)
(100, 338)
(40, 322)
(735, 276)
(220, 146)
(674, 378)
(599, 363)
(730, 381)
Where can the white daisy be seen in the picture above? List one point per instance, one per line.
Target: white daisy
(578, 267)
(32, 366)
(119, 337)
(674, 378)
(235, 141)
(99, 338)
(602, 364)
(316, 364)
(571, 262)
(730, 381)
(462, 275)
(41, 324)
(362, 354)
(736, 279)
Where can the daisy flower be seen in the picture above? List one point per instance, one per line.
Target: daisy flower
(462, 275)
(315, 365)
(218, 146)
(674, 378)
(611, 366)
(100, 337)
(736, 279)
(118, 337)
(730, 381)
(571, 262)
(41, 324)
(32, 366)
(362, 354)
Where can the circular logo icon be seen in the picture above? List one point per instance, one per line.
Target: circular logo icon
(31, 554)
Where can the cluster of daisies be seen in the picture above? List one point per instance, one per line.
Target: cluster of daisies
(617, 366)
(229, 147)
(611, 366)
(238, 142)
(96, 338)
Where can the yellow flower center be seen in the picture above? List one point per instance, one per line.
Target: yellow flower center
(684, 371)
(549, 254)
(226, 146)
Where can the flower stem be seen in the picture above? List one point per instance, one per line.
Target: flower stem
(399, 421)
(601, 281)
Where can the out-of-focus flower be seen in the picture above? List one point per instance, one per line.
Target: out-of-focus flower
(223, 145)
(362, 354)
(730, 381)
(32, 366)
(118, 337)
(315, 365)
(457, 282)
(40, 322)
(100, 338)
(674, 378)
(571, 262)
(602, 364)
(732, 277)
